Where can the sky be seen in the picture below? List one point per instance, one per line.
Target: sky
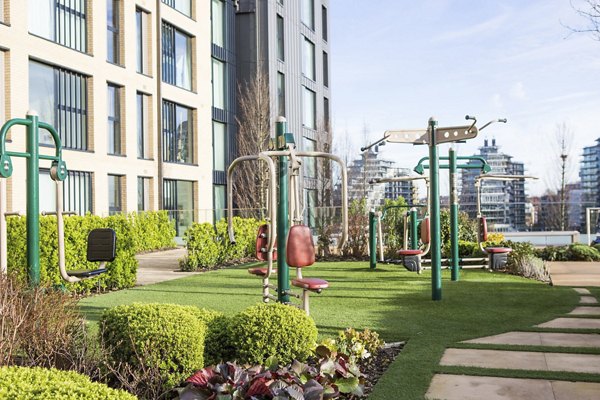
(395, 63)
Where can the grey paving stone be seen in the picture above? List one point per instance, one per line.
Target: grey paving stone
(585, 363)
(572, 323)
(587, 300)
(524, 360)
(553, 339)
(576, 390)
(582, 290)
(585, 311)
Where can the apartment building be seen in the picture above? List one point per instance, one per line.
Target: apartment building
(140, 93)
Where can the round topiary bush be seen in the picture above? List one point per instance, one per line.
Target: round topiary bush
(266, 330)
(167, 336)
(20, 383)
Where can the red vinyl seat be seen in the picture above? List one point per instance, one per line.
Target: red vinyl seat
(498, 250)
(410, 252)
(300, 247)
(310, 283)
(260, 271)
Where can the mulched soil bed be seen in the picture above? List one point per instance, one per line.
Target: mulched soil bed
(374, 367)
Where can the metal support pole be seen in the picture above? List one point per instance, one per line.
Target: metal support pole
(33, 201)
(372, 240)
(414, 236)
(454, 256)
(283, 221)
(434, 206)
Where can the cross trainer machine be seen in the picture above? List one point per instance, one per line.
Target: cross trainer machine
(284, 238)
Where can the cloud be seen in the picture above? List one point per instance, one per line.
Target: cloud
(517, 91)
(497, 100)
(484, 27)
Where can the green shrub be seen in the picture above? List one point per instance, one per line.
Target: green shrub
(278, 330)
(393, 226)
(154, 230)
(218, 344)
(358, 345)
(520, 251)
(582, 252)
(167, 335)
(531, 267)
(553, 253)
(20, 383)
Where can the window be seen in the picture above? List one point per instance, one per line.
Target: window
(114, 119)
(219, 146)
(177, 133)
(183, 6)
(177, 57)
(326, 113)
(324, 22)
(310, 164)
(62, 21)
(218, 22)
(143, 189)
(115, 200)
(77, 192)
(144, 142)
(60, 98)
(219, 198)
(112, 31)
(281, 93)
(280, 38)
(325, 69)
(178, 200)
(218, 84)
(141, 40)
(308, 13)
(309, 111)
(308, 66)
(311, 204)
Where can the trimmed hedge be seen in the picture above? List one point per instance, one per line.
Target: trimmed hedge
(20, 383)
(153, 230)
(208, 246)
(169, 336)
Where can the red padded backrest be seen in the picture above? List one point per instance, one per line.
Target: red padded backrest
(482, 231)
(425, 232)
(300, 247)
(262, 243)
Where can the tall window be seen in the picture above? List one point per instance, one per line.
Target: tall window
(311, 204)
(218, 84)
(141, 41)
(62, 21)
(308, 13)
(143, 126)
(281, 94)
(77, 192)
(326, 113)
(280, 38)
(309, 108)
(114, 119)
(178, 200)
(115, 194)
(325, 69)
(218, 22)
(143, 189)
(177, 57)
(324, 23)
(219, 146)
(60, 98)
(219, 199)
(183, 6)
(113, 31)
(310, 164)
(178, 132)
(308, 66)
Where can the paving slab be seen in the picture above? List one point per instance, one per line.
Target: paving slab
(582, 290)
(584, 363)
(465, 387)
(572, 323)
(575, 390)
(585, 311)
(552, 339)
(576, 274)
(160, 266)
(587, 300)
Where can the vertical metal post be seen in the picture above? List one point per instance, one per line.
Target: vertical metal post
(414, 222)
(283, 221)
(33, 201)
(372, 240)
(454, 262)
(434, 207)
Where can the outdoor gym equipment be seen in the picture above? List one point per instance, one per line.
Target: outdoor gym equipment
(293, 240)
(432, 137)
(497, 256)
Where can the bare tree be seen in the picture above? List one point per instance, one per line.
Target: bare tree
(589, 10)
(254, 133)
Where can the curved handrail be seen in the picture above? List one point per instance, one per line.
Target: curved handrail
(61, 235)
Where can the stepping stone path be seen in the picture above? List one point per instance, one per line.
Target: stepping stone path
(465, 387)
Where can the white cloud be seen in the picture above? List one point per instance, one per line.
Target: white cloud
(517, 91)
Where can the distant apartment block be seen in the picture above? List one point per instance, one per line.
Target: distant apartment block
(589, 175)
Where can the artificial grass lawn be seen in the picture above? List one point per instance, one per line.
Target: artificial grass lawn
(394, 302)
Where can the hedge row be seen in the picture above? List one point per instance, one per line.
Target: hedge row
(208, 245)
(134, 233)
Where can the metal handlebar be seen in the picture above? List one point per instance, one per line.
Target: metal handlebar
(60, 223)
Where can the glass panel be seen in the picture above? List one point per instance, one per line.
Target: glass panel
(219, 198)
(114, 194)
(311, 204)
(48, 188)
(184, 132)
(183, 61)
(324, 22)
(308, 13)
(218, 22)
(114, 120)
(185, 205)
(310, 165)
(143, 188)
(309, 108)
(281, 93)
(42, 18)
(141, 126)
(41, 96)
(326, 113)
(139, 40)
(308, 67)
(280, 38)
(218, 84)
(112, 30)
(325, 69)
(219, 146)
(184, 6)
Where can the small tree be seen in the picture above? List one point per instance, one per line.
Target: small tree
(358, 221)
(589, 10)
(393, 226)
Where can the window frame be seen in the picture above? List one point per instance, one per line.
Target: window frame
(114, 120)
(171, 135)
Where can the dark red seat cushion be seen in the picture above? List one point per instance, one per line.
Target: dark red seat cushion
(300, 247)
(410, 252)
(425, 233)
(262, 243)
(310, 283)
(482, 232)
(260, 271)
(498, 250)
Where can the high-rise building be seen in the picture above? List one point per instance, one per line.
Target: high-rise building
(589, 174)
(503, 203)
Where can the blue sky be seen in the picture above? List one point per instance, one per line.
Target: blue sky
(395, 63)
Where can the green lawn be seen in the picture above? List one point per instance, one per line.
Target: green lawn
(390, 300)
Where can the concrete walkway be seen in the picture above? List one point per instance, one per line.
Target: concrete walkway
(465, 387)
(573, 273)
(160, 266)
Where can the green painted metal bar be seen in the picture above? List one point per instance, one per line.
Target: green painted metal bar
(454, 257)
(33, 202)
(283, 220)
(459, 166)
(6, 127)
(17, 154)
(372, 240)
(414, 222)
(434, 202)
